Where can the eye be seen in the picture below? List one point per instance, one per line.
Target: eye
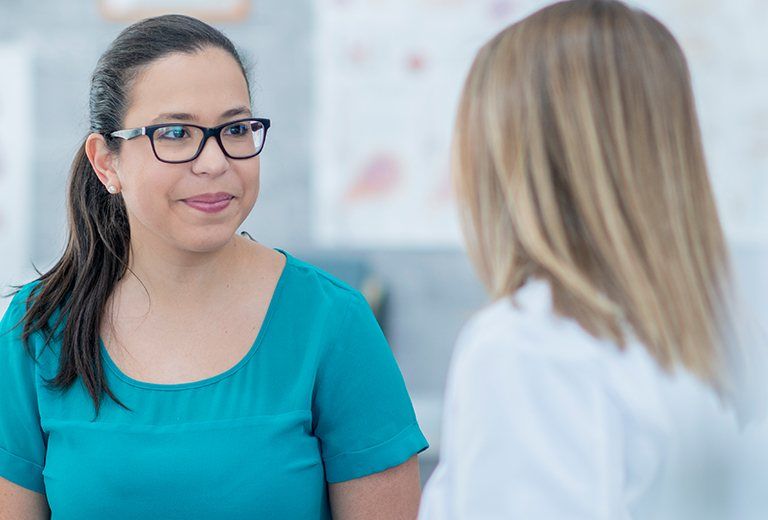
(238, 129)
(172, 133)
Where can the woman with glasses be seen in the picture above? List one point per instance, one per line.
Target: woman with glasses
(166, 367)
(589, 215)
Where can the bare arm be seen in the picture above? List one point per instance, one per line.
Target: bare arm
(390, 495)
(18, 503)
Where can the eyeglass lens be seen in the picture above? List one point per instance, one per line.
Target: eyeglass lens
(181, 142)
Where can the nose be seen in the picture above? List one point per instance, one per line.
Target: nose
(211, 160)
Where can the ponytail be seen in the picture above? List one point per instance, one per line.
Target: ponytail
(95, 258)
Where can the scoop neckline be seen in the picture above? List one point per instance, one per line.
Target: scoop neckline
(273, 303)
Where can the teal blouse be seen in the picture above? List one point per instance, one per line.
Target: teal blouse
(318, 398)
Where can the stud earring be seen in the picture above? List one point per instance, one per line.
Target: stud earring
(112, 189)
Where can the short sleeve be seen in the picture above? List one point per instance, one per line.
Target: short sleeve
(22, 444)
(362, 413)
(526, 435)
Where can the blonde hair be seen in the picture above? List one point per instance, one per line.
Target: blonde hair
(578, 159)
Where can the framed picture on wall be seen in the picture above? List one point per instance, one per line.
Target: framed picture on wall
(209, 10)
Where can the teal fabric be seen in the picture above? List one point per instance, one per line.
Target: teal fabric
(318, 399)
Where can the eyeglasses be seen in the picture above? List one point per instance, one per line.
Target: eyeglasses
(179, 143)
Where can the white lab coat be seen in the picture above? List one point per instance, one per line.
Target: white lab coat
(543, 421)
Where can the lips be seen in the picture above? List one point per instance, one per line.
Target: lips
(210, 198)
(209, 202)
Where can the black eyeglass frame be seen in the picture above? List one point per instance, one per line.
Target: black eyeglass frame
(131, 133)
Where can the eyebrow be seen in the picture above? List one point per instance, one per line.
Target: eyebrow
(183, 116)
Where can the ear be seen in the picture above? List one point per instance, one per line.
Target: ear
(102, 160)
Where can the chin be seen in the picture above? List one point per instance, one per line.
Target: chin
(209, 240)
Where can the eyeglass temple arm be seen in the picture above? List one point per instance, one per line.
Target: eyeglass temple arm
(130, 133)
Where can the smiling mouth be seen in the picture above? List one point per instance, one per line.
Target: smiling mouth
(209, 204)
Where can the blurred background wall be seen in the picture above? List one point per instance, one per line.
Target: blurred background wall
(431, 287)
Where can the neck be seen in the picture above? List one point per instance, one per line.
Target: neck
(173, 278)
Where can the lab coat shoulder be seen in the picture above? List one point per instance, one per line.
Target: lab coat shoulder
(538, 408)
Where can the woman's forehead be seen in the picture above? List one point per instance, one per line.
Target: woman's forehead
(204, 85)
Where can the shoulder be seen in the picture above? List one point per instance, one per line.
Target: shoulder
(522, 338)
(13, 350)
(318, 285)
(525, 326)
(17, 307)
(517, 349)
(37, 348)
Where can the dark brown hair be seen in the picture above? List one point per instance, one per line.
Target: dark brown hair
(96, 254)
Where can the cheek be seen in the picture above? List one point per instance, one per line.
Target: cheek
(146, 189)
(251, 178)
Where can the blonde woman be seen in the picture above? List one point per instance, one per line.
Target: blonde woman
(589, 216)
